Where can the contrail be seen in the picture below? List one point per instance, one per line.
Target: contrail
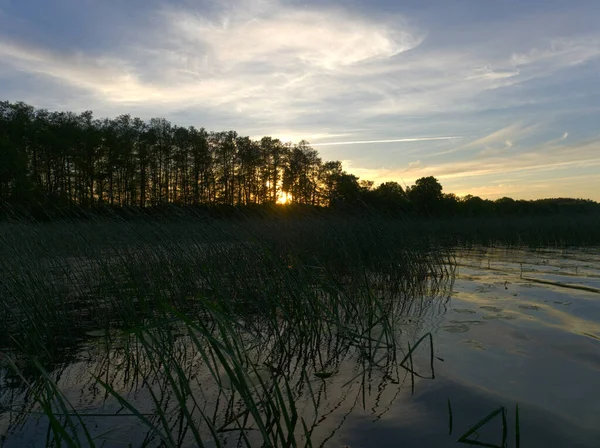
(415, 139)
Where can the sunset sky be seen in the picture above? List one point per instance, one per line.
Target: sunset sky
(492, 98)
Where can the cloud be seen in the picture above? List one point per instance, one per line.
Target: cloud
(528, 166)
(266, 58)
(474, 78)
(286, 37)
(513, 132)
(280, 63)
(414, 165)
(347, 81)
(104, 75)
(273, 65)
(396, 140)
(560, 186)
(501, 139)
(489, 74)
(561, 52)
(296, 136)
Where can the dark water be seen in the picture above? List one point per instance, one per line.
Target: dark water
(518, 327)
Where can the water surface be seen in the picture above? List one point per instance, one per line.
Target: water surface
(514, 327)
(507, 339)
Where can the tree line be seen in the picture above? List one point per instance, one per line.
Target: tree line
(65, 159)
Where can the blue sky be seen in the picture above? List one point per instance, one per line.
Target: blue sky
(492, 98)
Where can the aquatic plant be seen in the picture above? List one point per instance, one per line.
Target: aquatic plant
(202, 330)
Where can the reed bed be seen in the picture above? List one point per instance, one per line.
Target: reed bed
(194, 331)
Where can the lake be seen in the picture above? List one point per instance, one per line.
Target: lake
(507, 339)
(509, 327)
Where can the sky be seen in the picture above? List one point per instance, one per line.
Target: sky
(492, 98)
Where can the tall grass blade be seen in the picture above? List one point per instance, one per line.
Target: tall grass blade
(465, 437)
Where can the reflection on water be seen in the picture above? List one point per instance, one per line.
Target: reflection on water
(508, 340)
(502, 339)
(353, 362)
(505, 340)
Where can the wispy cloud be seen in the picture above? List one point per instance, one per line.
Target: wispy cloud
(541, 161)
(104, 75)
(275, 34)
(395, 140)
(280, 62)
(501, 139)
(347, 81)
(488, 73)
(560, 52)
(558, 186)
(249, 57)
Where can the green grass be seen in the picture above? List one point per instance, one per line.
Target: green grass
(213, 331)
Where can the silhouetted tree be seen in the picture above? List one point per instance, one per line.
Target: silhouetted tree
(475, 206)
(64, 159)
(301, 174)
(426, 195)
(347, 190)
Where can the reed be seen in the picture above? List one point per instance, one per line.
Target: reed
(208, 331)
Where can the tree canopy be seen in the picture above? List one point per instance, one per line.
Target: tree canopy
(66, 159)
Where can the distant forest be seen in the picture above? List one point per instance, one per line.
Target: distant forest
(63, 159)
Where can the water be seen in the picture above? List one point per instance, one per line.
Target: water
(506, 339)
(517, 327)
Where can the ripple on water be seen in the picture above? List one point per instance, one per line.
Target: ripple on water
(474, 344)
(460, 328)
(590, 335)
(494, 309)
(467, 322)
(463, 311)
(529, 307)
(500, 317)
(520, 335)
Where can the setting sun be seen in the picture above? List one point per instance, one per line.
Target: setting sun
(284, 198)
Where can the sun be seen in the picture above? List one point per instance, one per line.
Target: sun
(284, 198)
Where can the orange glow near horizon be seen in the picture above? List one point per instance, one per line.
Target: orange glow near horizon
(284, 198)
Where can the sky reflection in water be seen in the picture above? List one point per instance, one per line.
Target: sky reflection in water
(506, 340)
(502, 339)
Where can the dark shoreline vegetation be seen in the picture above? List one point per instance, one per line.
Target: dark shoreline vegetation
(62, 160)
(222, 326)
(153, 264)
